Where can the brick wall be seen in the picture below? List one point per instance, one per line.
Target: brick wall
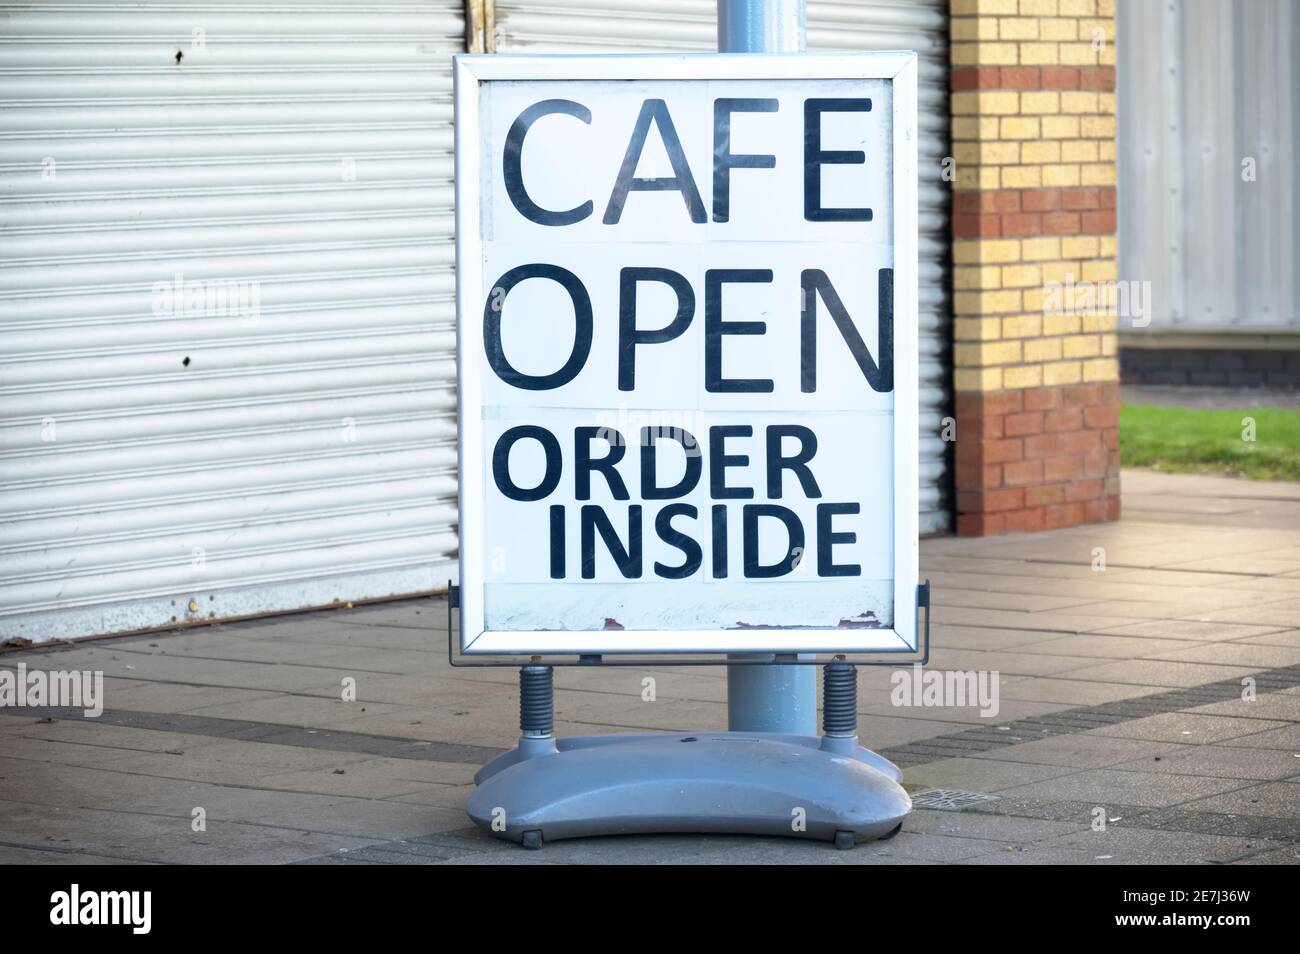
(1034, 355)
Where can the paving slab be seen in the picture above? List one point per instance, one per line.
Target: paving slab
(1118, 688)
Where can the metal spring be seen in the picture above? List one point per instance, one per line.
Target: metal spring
(839, 698)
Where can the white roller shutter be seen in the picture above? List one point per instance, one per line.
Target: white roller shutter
(646, 26)
(166, 459)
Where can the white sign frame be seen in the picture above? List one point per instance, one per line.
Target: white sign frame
(469, 72)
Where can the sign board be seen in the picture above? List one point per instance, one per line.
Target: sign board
(686, 302)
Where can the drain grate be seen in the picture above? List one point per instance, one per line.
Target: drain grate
(949, 800)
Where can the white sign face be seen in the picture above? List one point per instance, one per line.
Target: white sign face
(686, 293)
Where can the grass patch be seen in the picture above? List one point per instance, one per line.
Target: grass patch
(1186, 440)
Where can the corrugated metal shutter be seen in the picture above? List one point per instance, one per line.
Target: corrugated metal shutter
(1209, 125)
(186, 459)
(647, 26)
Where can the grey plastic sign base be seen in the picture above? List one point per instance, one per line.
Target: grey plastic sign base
(823, 788)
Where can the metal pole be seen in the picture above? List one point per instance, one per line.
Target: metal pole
(767, 698)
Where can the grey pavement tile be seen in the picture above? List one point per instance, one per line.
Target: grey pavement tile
(1071, 691)
(1188, 728)
(1102, 786)
(1236, 654)
(1009, 601)
(1280, 706)
(1186, 629)
(1285, 738)
(956, 636)
(1281, 637)
(315, 711)
(978, 775)
(1272, 799)
(1156, 672)
(1289, 855)
(997, 828)
(135, 836)
(1107, 646)
(1081, 750)
(1005, 709)
(20, 855)
(1136, 846)
(1219, 761)
(1008, 662)
(1060, 621)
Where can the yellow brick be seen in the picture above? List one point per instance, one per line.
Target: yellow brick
(1021, 276)
(1062, 175)
(1080, 346)
(985, 7)
(975, 329)
(1093, 27)
(1063, 372)
(1098, 174)
(1019, 127)
(1109, 346)
(1079, 246)
(1043, 349)
(1024, 376)
(1107, 56)
(973, 28)
(1053, 28)
(1077, 54)
(1040, 103)
(1101, 270)
(1060, 127)
(999, 153)
(985, 251)
(1078, 8)
(1100, 323)
(965, 152)
(1060, 324)
(1060, 272)
(968, 277)
(1106, 8)
(1016, 28)
(985, 302)
(1038, 8)
(967, 177)
(1039, 54)
(1072, 102)
(1022, 177)
(1106, 150)
(985, 354)
(988, 178)
(1079, 150)
(970, 127)
(1106, 103)
(1097, 127)
(984, 54)
(978, 379)
(1101, 369)
(1109, 246)
(1041, 249)
(1004, 352)
(985, 102)
(1033, 300)
(1022, 326)
(1048, 150)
